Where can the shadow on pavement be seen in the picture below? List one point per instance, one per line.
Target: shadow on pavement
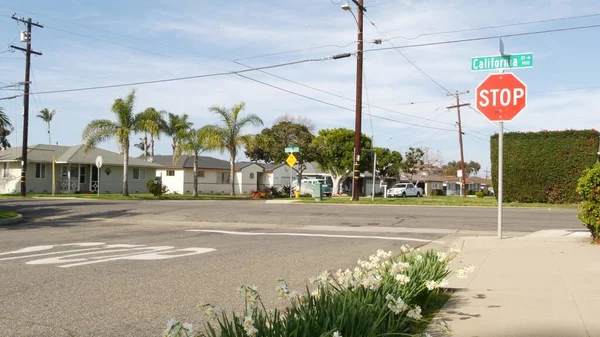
(38, 215)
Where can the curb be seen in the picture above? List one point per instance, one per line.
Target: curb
(12, 221)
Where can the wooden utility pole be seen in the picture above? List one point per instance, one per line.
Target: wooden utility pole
(358, 112)
(460, 134)
(26, 37)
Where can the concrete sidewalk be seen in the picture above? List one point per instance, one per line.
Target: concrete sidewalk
(543, 284)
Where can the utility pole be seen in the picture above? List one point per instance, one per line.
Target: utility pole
(358, 112)
(460, 134)
(26, 37)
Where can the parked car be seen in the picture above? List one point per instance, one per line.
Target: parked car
(405, 190)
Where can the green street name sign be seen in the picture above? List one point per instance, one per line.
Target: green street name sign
(484, 63)
(292, 149)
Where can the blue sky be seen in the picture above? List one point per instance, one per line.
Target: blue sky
(161, 39)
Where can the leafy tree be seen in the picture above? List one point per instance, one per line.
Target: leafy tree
(269, 145)
(127, 122)
(452, 168)
(46, 115)
(192, 143)
(229, 135)
(173, 127)
(302, 120)
(153, 123)
(413, 160)
(335, 153)
(388, 162)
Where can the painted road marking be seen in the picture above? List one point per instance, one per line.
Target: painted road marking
(314, 235)
(100, 253)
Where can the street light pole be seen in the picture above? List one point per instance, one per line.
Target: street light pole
(358, 111)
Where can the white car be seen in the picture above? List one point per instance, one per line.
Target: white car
(405, 190)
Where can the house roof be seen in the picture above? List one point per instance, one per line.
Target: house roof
(72, 155)
(188, 162)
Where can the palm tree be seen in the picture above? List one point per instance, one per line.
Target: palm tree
(46, 115)
(5, 129)
(173, 127)
(153, 124)
(193, 142)
(143, 146)
(100, 130)
(229, 133)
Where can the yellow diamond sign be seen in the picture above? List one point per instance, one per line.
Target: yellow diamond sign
(291, 160)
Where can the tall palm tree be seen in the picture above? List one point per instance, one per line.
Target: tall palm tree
(153, 123)
(46, 115)
(143, 146)
(127, 122)
(173, 127)
(6, 129)
(229, 133)
(192, 143)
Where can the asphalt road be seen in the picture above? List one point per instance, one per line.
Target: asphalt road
(100, 268)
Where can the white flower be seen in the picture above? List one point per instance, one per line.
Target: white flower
(395, 305)
(470, 268)
(405, 249)
(419, 257)
(337, 334)
(462, 272)
(402, 279)
(249, 326)
(455, 249)
(415, 313)
(170, 324)
(443, 283)
(251, 332)
(431, 285)
(383, 254)
(208, 311)
(441, 256)
(399, 267)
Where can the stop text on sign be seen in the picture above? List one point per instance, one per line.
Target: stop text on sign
(505, 97)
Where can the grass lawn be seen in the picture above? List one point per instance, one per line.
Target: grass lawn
(7, 214)
(135, 196)
(436, 201)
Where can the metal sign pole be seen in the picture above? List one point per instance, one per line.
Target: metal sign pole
(98, 187)
(500, 173)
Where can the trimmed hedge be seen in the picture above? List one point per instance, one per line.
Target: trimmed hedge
(544, 166)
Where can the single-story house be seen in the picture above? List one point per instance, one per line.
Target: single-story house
(213, 175)
(450, 185)
(73, 170)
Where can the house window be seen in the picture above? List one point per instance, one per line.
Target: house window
(40, 170)
(5, 170)
(82, 175)
(224, 178)
(201, 174)
(170, 173)
(139, 173)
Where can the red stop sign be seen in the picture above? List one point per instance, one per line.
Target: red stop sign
(500, 97)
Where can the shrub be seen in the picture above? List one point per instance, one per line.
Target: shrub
(156, 188)
(479, 194)
(436, 192)
(589, 211)
(259, 194)
(544, 166)
(385, 296)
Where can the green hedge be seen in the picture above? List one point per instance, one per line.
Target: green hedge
(544, 166)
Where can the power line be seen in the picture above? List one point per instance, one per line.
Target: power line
(337, 106)
(339, 96)
(496, 26)
(295, 51)
(189, 77)
(482, 38)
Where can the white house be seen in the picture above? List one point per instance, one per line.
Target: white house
(72, 170)
(213, 175)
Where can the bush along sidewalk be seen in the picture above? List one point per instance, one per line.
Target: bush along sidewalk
(589, 210)
(384, 296)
